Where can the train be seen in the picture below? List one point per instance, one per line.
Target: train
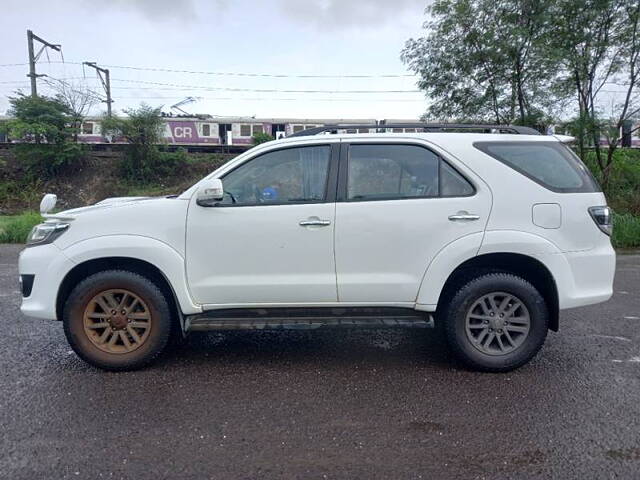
(207, 132)
(204, 130)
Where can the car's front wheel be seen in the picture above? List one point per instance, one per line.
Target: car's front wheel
(117, 320)
(496, 322)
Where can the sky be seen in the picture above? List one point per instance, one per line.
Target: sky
(306, 58)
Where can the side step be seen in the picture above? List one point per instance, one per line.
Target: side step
(306, 319)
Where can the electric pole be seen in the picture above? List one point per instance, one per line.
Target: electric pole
(103, 75)
(33, 58)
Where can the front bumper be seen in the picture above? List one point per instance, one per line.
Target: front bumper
(48, 265)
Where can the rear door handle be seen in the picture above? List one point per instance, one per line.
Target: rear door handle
(314, 222)
(464, 217)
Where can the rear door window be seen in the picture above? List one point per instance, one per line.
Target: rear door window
(392, 172)
(550, 164)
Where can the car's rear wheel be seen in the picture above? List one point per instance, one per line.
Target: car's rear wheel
(496, 322)
(117, 320)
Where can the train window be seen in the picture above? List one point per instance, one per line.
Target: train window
(298, 128)
(308, 127)
(397, 130)
(87, 128)
(245, 130)
(206, 130)
(257, 129)
(363, 130)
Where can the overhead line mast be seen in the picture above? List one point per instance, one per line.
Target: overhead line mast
(106, 83)
(33, 58)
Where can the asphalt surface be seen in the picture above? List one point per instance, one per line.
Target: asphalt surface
(324, 404)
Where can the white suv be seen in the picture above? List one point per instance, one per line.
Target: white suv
(488, 234)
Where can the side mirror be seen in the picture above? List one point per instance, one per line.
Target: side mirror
(48, 203)
(209, 193)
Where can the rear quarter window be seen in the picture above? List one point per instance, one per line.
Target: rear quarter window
(550, 164)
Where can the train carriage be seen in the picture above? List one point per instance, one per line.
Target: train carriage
(205, 130)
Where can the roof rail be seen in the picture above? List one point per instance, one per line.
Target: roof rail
(426, 127)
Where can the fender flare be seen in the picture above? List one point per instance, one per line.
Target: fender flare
(155, 252)
(439, 269)
(463, 249)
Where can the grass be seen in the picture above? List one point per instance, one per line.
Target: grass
(15, 228)
(626, 231)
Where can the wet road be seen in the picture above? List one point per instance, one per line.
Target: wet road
(324, 404)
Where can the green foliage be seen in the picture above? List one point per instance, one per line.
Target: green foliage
(142, 129)
(623, 195)
(14, 229)
(141, 126)
(38, 119)
(25, 193)
(623, 188)
(485, 59)
(42, 123)
(262, 137)
(169, 164)
(46, 160)
(523, 61)
(605, 48)
(626, 231)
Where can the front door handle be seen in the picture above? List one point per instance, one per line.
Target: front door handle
(464, 217)
(314, 222)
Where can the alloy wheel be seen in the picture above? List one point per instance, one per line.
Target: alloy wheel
(497, 323)
(117, 321)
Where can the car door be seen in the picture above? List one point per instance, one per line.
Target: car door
(398, 205)
(270, 240)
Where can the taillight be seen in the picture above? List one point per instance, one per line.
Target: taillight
(603, 218)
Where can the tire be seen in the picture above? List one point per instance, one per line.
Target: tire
(471, 319)
(129, 339)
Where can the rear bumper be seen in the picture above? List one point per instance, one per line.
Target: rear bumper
(583, 278)
(48, 266)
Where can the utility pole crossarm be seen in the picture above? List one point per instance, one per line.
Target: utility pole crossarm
(106, 83)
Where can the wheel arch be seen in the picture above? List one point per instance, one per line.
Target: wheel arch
(134, 265)
(143, 254)
(525, 266)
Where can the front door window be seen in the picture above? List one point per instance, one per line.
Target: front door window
(284, 177)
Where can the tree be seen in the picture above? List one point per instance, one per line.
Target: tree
(481, 59)
(598, 43)
(524, 60)
(38, 119)
(78, 99)
(142, 129)
(43, 125)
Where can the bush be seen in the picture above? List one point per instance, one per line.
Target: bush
(623, 192)
(142, 129)
(168, 164)
(21, 192)
(259, 138)
(16, 228)
(46, 161)
(626, 231)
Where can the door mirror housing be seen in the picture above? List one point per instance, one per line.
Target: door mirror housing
(210, 192)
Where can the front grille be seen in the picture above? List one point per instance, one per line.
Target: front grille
(26, 282)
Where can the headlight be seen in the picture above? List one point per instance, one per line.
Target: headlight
(46, 233)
